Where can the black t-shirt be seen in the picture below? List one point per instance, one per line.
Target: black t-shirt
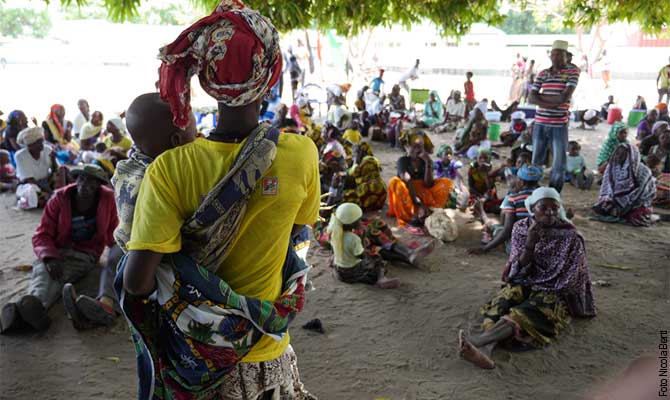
(9, 132)
(405, 165)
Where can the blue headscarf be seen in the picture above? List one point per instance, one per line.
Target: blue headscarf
(530, 173)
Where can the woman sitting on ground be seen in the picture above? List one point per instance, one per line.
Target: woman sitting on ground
(118, 135)
(36, 166)
(647, 123)
(662, 151)
(547, 282)
(54, 125)
(618, 134)
(627, 190)
(370, 190)
(652, 140)
(414, 190)
(474, 135)
(396, 100)
(433, 112)
(516, 129)
(16, 122)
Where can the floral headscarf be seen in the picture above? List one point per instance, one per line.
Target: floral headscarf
(235, 53)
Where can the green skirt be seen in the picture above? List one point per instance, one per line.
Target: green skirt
(540, 316)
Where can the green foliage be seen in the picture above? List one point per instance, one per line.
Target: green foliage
(528, 22)
(15, 22)
(452, 17)
(652, 16)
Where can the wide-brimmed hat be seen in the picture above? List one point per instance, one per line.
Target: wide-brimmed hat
(560, 45)
(91, 170)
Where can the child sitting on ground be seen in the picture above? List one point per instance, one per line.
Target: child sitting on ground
(8, 179)
(445, 166)
(481, 184)
(576, 172)
(516, 129)
(350, 261)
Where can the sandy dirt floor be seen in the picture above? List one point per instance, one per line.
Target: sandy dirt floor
(395, 344)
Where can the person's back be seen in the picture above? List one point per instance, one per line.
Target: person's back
(175, 184)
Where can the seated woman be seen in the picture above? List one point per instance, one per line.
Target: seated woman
(396, 100)
(482, 184)
(662, 151)
(414, 190)
(16, 122)
(118, 136)
(618, 134)
(54, 125)
(644, 127)
(662, 199)
(333, 158)
(652, 140)
(516, 129)
(36, 168)
(587, 118)
(474, 135)
(370, 190)
(547, 282)
(433, 112)
(627, 190)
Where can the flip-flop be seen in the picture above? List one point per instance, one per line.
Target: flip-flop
(96, 311)
(69, 303)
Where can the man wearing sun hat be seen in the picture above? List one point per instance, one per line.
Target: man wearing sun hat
(551, 92)
(77, 224)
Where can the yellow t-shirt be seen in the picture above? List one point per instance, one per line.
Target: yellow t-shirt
(125, 143)
(177, 181)
(352, 135)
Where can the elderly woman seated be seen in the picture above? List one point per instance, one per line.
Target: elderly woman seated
(433, 110)
(474, 135)
(36, 169)
(547, 281)
(627, 190)
(414, 190)
(618, 134)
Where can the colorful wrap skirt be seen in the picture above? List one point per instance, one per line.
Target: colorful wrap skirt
(538, 316)
(401, 205)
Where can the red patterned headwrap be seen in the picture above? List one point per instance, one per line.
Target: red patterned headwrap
(54, 118)
(235, 52)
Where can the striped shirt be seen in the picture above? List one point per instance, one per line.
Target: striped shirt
(548, 82)
(515, 203)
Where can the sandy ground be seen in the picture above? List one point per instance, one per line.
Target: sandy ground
(397, 344)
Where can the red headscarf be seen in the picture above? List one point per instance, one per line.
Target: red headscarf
(56, 121)
(235, 52)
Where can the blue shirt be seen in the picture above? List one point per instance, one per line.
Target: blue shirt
(377, 84)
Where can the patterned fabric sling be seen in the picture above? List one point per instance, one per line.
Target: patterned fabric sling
(195, 328)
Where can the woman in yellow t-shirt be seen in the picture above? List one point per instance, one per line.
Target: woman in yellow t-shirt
(274, 192)
(117, 135)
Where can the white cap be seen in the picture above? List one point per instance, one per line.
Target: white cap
(518, 115)
(589, 114)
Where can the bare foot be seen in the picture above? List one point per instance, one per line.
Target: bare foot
(421, 252)
(470, 353)
(386, 283)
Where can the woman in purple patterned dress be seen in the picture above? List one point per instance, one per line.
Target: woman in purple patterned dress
(547, 281)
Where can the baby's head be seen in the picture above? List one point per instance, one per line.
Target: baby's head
(4, 157)
(574, 148)
(523, 159)
(653, 162)
(149, 122)
(100, 147)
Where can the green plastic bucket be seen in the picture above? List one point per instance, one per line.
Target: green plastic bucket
(494, 131)
(635, 116)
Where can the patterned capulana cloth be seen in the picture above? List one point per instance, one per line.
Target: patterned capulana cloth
(559, 265)
(628, 189)
(235, 53)
(196, 329)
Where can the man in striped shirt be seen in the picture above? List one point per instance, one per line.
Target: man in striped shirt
(551, 92)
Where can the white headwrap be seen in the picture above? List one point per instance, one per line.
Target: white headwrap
(88, 131)
(346, 213)
(545, 193)
(589, 114)
(518, 115)
(657, 125)
(29, 136)
(118, 123)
